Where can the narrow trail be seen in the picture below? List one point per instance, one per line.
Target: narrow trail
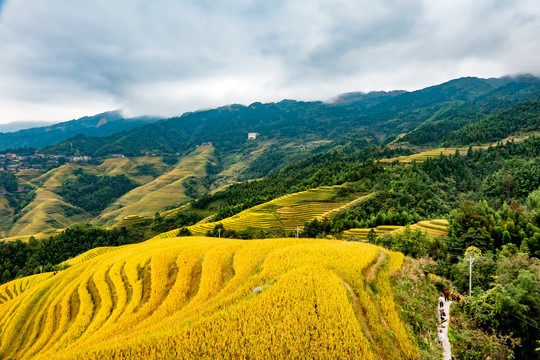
(443, 325)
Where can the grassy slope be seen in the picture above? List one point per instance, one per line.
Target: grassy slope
(194, 296)
(164, 191)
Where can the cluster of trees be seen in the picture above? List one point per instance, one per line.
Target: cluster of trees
(506, 282)
(17, 201)
(178, 220)
(220, 231)
(94, 193)
(8, 181)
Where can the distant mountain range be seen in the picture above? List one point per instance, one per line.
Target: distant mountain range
(425, 117)
(98, 125)
(22, 125)
(202, 151)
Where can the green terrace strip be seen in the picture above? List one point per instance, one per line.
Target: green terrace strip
(434, 228)
(286, 212)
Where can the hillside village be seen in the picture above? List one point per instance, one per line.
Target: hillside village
(14, 163)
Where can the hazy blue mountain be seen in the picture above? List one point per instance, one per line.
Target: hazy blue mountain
(98, 125)
(22, 125)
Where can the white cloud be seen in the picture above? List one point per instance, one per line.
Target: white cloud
(60, 60)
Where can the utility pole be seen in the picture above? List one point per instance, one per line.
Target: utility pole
(219, 232)
(41, 269)
(471, 261)
(297, 232)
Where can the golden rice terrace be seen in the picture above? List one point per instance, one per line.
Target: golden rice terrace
(199, 297)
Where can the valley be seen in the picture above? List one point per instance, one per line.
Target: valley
(187, 235)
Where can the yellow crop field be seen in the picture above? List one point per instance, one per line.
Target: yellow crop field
(434, 228)
(90, 254)
(164, 191)
(199, 297)
(286, 212)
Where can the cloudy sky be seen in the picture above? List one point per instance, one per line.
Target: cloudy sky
(62, 59)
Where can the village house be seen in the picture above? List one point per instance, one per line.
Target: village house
(253, 135)
(3, 192)
(80, 158)
(118, 155)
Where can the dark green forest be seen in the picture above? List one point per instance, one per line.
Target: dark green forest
(94, 193)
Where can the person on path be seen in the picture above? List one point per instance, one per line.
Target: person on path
(446, 293)
(443, 315)
(441, 301)
(441, 337)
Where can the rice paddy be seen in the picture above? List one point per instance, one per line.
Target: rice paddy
(286, 212)
(434, 228)
(199, 297)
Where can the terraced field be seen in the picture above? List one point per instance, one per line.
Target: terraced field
(286, 212)
(128, 221)
(131, 167)
(362, 234)
(429, 154)
(199, 297)
(164, 191)
(6, 216)
(90, 254)
(434, 228)
(14, 288)
(47, 211)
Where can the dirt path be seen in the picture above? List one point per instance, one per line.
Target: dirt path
(443, 325)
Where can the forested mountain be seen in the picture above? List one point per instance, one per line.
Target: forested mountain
(185, 174)
(289, 133)
(524, 117)
(441, 127)
(441, 109)
(98, 125)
